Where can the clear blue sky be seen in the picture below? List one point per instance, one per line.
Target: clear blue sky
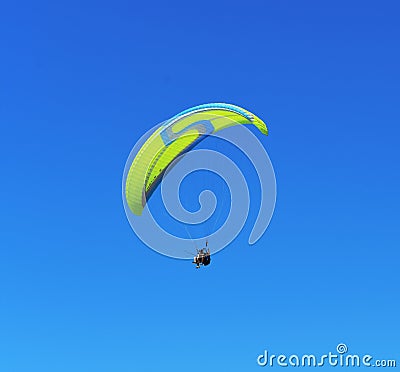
(81, 81)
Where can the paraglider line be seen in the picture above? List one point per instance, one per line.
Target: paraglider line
(190, 236)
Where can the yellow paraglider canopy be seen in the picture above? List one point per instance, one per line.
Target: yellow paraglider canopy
(175, 137)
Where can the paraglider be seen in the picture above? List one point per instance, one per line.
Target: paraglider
(203, 257)
(176, 137)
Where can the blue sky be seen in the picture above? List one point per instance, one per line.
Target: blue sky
(82, 81)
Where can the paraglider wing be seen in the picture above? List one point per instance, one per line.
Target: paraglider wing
(175, 137)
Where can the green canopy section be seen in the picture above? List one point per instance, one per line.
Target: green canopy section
(175, 137)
